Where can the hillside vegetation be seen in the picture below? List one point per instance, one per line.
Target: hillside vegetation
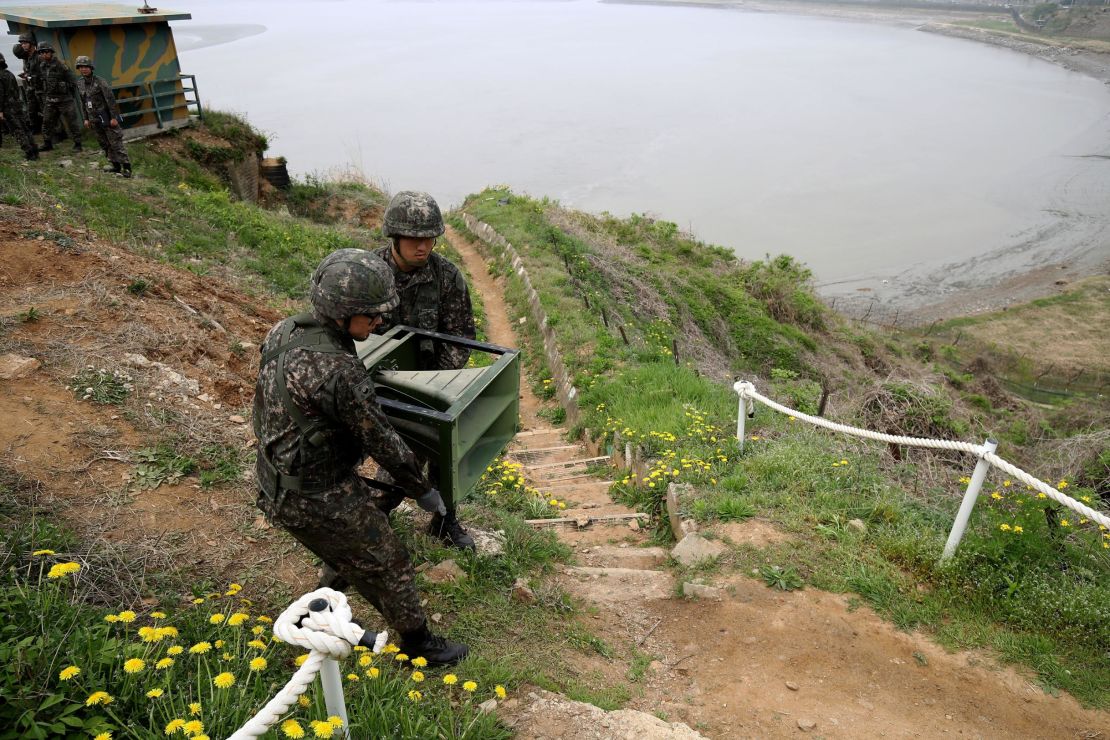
(147, 490)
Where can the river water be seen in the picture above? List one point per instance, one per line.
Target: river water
(869, 152)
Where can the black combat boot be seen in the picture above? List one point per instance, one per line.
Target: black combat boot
(47, 145)
(31, 154)
(449, 530)
(433, 648)
(127, 171)
(112, 168)
(330, 579)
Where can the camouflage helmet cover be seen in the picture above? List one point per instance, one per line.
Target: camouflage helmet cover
(84, 61)
(350, 282)
(27, 36)
(18, 51)
(413, 215)
(44, 46)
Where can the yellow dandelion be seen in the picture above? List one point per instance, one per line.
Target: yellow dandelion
(175, 650)
(1065, 523)
(372, 672)
(111, 618)
(415, 695)
(263, 618)
(194, 708)
(352, 677)
(167, 632)
(103, 736)
(450, 679)
(259, 629)
(237, 619)
(224, 681)
(127, 616)
(98, 697)
(335, 721)
(470, 686)
(401, 657)
(233, 589)
(157, 615)
(174, 726)
(154, 694)
(1004, 527)
(36, 553)
(365, 660)
(420, 662)
(61, 570)
(1018, 529)
(391, 648)
(163, 664)
(201, 648)
(1006, 484)
(258, 664)
(216, 618)
(417, 676)
(68, 672)
(149, 634)
(996, 496)
(1062, 485)
(193, 727)
(292, 728)
(135, 665)
(300, 659)
(322, 728)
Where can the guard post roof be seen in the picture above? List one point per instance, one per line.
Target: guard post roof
(72, 15)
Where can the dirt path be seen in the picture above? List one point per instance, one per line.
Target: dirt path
(745, 660)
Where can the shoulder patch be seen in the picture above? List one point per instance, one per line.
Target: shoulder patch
(365, 389)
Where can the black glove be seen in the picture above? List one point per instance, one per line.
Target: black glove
(431, 501)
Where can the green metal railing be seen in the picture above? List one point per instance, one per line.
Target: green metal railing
(148, 90)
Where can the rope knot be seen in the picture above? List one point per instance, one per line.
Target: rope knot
(321, 621)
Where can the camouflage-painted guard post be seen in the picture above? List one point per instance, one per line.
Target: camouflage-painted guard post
(316, 418)
(101, 113)
(433, 296)
(11, 111)
(58, 84)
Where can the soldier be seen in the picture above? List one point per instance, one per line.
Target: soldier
(101, 113)
(11, 111)
(433, 296)
(316, 419)
(32, 93)
(58, 85)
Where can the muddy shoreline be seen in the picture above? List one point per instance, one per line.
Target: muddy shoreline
(984, 283)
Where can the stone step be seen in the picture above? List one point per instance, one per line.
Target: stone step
(622, 556)
(616, 586)
(580, 462)
(586, 485)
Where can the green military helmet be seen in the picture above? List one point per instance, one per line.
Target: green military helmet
(84, 61)
(18, 51)
(414, 215)
(27, 36)
(350, 282)
(45, 46)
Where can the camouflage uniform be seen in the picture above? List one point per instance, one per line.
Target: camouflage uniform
(98, 106)
(434, 297)
(32, 89)
(334, 515)
(58, 84)
(12, 109)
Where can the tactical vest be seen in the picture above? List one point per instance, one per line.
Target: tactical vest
(315, 434)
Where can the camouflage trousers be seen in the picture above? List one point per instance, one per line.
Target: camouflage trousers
(345, 528)
(21, 130)
(34, 111)
(64, 112)
(111, 141)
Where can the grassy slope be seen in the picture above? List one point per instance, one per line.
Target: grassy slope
(1039, 596)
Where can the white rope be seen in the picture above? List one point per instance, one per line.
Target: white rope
(748, 393)
(327, 633)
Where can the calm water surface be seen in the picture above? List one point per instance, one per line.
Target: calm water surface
(867, 151)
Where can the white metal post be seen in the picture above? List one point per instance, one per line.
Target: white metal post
(333, 693)
(970, 495)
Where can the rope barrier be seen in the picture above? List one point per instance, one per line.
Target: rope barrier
(319, 621)
(747, 392)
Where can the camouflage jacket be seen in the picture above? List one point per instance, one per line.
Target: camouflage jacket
(32, 69)
(57, 81)
(436, 298)
(336, 393)
(98, 104)
(10, 104)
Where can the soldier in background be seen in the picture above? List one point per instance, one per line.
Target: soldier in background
(101, 114)
(316, 418)
(58, 86)
(11, 111)
(32, 91)
(434, 296)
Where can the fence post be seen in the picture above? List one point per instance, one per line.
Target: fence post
(746, 407)
(329, 680)
(970, 495)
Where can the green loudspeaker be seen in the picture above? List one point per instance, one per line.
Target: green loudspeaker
(461, 420)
